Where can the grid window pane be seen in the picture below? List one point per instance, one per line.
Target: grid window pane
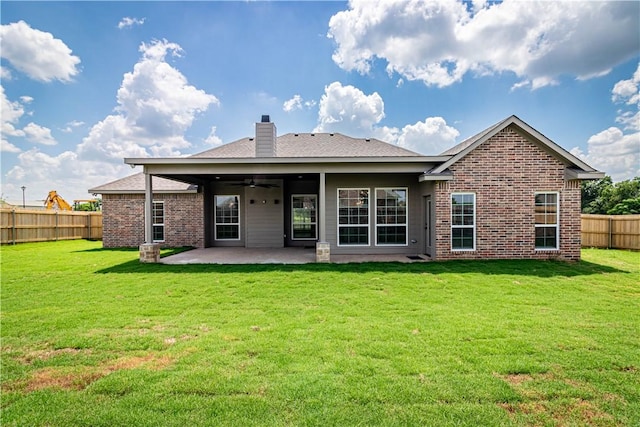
(157, 216)
(462, 238)
(391, 216)
(546, 220)
(353, 235)
(353, 216)
(463, 207)
(227, 217)
(303, 216)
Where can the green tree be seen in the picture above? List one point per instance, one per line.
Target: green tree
(603, 196)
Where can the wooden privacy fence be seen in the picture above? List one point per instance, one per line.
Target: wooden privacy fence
(33, 225)
(611, 231)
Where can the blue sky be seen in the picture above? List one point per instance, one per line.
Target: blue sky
(85, 84)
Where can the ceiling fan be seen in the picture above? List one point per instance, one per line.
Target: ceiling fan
(253, 184)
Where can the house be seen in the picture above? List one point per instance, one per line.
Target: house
(507, 192)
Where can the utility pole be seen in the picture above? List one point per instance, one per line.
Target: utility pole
(23, 203)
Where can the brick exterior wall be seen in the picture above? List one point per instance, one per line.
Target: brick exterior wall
(123, 220)
(505, 172)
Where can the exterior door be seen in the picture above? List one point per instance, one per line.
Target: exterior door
(428, 238)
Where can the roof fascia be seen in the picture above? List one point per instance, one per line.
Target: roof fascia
(98, 191)
(571, 173)
(142, 161)
(447, 176)
(482, 138)
(554, 148)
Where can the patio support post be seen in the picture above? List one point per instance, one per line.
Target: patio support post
(323, 250)
(149, 251)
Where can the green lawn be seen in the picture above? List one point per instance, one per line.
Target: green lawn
(92, 337)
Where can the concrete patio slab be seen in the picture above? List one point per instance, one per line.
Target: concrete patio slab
(271, 256)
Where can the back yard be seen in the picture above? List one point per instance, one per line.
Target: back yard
(92, 337)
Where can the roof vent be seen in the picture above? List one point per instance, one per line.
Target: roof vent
(368, 139)
(265, 118)
(313, 134)
(296, 134)
(331, 134)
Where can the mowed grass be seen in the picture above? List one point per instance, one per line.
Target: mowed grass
(91, 337)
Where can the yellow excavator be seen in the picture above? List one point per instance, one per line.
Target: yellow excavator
(55, 201)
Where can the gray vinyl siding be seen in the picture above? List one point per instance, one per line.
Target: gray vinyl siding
(265, 216)
(373, 181)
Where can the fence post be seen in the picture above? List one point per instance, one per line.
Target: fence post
(56, 226)
(610, 233)
(13, 229)
(89, 225)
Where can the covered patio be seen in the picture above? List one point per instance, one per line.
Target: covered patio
(287, 255)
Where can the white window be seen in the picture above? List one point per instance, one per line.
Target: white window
(546, 219)
(158, 221)
(391, 216)
(227, 217)
(353, 217)
(463, 221)
(304, 216)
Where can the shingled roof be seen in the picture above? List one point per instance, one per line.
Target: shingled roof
(135, 184)
(311, 145)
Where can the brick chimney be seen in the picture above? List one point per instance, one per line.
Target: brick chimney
(265, 138)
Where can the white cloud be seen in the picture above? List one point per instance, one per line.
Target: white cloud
(348, 110)
(430, 137)
(5, 73)
(440, 42)
(613, 151)
(37, 54)
(70, 126)
(7, 147)
(26, 99)
(156, 105)
(127, 22)
(292, 104)
(9, 116)
(65, 173)
(627, 90)
(297, 103)
(39, 134)
(213, 139)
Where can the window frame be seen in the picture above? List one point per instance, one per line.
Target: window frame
(463, 226)
(159, 225)
(215, 218)
(367, 225)
(315, 223)
(406, 217)
(545, 225)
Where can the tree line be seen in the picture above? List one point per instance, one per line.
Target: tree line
(605, 197)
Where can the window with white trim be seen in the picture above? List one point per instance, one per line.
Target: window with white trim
(227, 217)
(157, 214)
(304, 216)
(391, 216)
(353, 216)
(546, 220)
(463, 221)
